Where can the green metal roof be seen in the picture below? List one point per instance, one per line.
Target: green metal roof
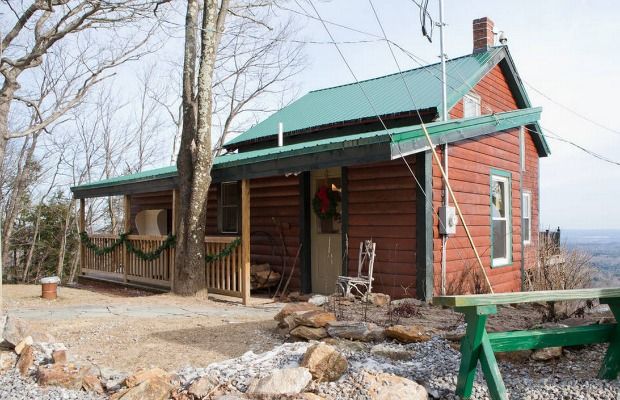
(408, 140)
(388, 95)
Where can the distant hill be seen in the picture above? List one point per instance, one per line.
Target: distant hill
(603, 245)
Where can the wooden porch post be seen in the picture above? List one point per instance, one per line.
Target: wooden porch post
(175, 215)
(245, 240)
(82, 229)
(127, 230)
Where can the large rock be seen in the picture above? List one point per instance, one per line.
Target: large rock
(318, 300)
(362, 331)
(67, 376)
(91, 383)
(26, 360)
(392, 352)
(16, 330)
(407, 334)
(157, 388)
(294, 307)
(314, 319)
(378, 299)
(143, 375)
(8, 359)
(309, 333)
(282, 381)
(391, 387)
(203, 387)
(27, 341)
(547, 354)
(324, 362)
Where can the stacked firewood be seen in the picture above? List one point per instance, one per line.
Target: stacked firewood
(263, 277)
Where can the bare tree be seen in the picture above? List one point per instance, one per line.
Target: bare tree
(195, 157)
(68, 34)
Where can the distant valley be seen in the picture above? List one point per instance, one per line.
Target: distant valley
(604, 246)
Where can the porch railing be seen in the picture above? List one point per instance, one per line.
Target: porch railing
(223, 275)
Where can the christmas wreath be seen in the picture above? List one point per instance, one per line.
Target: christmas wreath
(325, 202)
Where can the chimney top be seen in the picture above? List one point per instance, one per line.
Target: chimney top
(483, 34)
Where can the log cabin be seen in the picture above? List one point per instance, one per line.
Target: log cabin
(349, 163)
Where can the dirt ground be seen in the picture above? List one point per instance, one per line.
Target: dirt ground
(125, 328)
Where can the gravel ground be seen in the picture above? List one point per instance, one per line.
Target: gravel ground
(434, 365)
(14, 387)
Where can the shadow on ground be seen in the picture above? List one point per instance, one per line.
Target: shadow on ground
(229, 340)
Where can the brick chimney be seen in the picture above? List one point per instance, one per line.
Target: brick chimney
(483, 34)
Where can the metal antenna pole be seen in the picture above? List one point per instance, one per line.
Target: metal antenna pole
(444, 117)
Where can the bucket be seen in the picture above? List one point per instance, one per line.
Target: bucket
(49, 287)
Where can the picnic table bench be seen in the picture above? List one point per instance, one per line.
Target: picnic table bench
(480, 345)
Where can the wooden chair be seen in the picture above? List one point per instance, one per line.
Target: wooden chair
(361, 283)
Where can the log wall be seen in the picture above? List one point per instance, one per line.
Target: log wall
(382, 207)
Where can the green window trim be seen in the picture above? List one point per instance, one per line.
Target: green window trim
(508, 176)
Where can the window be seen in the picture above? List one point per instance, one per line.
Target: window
(228, 217)
(522, 147)
(501, 244)
(471, 105)
(527, 217)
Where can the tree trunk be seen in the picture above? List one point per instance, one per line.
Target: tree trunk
(195, 153)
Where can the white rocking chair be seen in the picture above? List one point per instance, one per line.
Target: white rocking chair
(361, 283)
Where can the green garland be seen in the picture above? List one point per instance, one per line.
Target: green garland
(170, 242)
(99, 251)
(122, 239)
(226, 251)
(151, 255)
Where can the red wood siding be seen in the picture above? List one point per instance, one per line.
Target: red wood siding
(382, 207)
(470, 164)
(530, 184)
(273, 201)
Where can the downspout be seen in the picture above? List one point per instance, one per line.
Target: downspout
(444, 117)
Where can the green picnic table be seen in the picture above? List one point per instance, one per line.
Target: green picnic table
(480, 345)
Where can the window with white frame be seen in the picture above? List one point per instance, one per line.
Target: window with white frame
(471, 105)
(526, 209)
(501, 244)
(228, 215)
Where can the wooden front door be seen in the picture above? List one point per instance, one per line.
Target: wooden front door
(326, 240)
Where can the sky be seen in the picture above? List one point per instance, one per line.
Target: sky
(566, 50)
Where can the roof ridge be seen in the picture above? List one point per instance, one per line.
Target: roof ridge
(494, 48)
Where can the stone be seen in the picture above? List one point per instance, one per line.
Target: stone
(290, 321)
(294, 307)
(27, 341)
(318, 300)
(156, 388)
(309, 333)
(384, 386)
(8, 359)
(48, 348)
(143, 375)
(91, 383)
(15, 330)
(519, 356)
(282, 381)
(547, 354)
(378, 299)
(66, 376)
(3, 318)
(352, 330)
(59, 357)
(324, 362)
(407, 334)
(203, 387)
(392, 352)
(314, 319)
(408, 300)
(454, 336)
(25, 361)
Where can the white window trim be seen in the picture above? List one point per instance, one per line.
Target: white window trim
(527, 205)
(503, 261)
(474, 99)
